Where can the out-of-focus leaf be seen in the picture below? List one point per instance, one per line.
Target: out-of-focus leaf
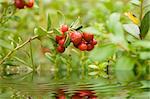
(103, 52)
(61, 17)
(115, 17)
(145, 84)
(5, 44)
(116, 28)
(135, 2)
(37, 2)
(93, 73)
(143, 43)
(132, 29)
(125, 75)
(48, 22)
(124, 69)
(49, 56)
(145, 25)
(144, 55)
(40, 31)
(91, 30)
(125, 63)
(93, 66)
(146, 5)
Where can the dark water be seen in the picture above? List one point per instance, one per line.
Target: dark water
(75, 84)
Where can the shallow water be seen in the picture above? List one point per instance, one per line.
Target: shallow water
(74, 85)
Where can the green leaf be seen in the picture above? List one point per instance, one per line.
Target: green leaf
(146, 6)
(142, 43)
(145, 25)
(93, 66)
(125, 63)
(115, 17)
(145, 84)
(49, 57)
(132, 29)
(91, 30)
(56, 31)
(61, 17)
(144, 55)
(48, 23)
(75, 23)
(125, 76)
(67, 41)
(135, 2)
(40, 31)
(103, 52)
(5, 44)
(93, 73)
(37, 2)
(115, 27)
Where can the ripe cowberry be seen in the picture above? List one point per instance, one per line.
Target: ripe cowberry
(29, 3)
(88, 36)
(57, 38)
(19, 4)
(76, 96)
(60, 49)
(76, 37)
(61, 42)
(90, 47)
(61, 97)
(64, 28)
(93, 42)
(82, 46)
(93, 97)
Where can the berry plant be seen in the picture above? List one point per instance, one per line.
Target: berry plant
(102, 45)
(117, 39)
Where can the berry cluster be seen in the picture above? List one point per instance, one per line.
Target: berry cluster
(83, 41)
(20, 4)
(61, 39)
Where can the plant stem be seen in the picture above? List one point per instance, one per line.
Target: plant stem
(141, 10)
(18, 47)
(31, 55)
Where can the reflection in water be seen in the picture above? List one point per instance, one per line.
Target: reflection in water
(74, 85)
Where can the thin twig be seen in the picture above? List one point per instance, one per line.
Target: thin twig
(18, 47)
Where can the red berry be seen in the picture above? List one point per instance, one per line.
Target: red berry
(76, 97)
(90, 47)
(60, 49)
(93, 97)
(82, 47)
(76, 37)
(85, 93)
(61, 42)
(64, 28)
(88, 36)
(61, 97)
(57, 38)
(94, 42)
(19, 4)
(30, 3)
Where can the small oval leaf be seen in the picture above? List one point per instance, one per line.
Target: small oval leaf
(145, 25)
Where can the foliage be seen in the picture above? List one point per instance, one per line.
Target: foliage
(121, 31)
